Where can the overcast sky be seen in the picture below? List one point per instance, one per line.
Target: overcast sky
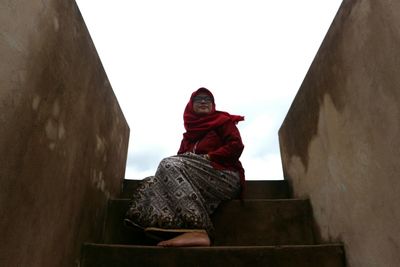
(253, 55)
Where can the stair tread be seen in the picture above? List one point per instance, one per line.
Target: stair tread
(219, 247)
(328, 255)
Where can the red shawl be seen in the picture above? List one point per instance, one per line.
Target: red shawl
(197, 125)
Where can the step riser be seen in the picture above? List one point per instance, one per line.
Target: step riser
(251, 222)
(117, 256)
(263, 223)
(254, 189)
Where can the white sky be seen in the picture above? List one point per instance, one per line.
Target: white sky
(253, 55)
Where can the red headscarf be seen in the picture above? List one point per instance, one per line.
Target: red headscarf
(197, 125)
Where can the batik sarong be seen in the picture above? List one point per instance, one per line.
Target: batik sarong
(182, 194)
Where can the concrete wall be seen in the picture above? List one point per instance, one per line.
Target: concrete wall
(63, 137)
(340, 141)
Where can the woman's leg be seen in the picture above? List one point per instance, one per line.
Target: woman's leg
(213, 187)
(182, 195)
(168, 199)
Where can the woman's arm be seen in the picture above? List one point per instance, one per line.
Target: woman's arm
(232, 144)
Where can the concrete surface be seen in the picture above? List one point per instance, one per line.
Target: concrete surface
(340, 139)
(249, 232)
(63, 137)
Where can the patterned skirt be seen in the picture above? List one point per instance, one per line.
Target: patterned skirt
(183, 194)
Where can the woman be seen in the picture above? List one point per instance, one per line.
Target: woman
(188, 187)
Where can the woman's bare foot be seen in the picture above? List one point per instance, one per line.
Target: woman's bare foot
(190, 239)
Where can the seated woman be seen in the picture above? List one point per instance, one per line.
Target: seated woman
(188, 187)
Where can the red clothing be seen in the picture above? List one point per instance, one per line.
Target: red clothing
(222, 144)
(214, 134)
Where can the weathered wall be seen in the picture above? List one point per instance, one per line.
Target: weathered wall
(63, 137)
(341, 137)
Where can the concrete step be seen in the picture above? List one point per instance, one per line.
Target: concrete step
(247, 222)
(270, 189)
(101, 255)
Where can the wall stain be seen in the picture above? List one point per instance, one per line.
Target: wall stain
(302, 118)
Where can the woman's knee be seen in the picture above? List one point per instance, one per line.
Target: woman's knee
(169, 162)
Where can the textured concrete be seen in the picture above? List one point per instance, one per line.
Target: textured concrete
(340, 139)
(63, 137)
(280, 256)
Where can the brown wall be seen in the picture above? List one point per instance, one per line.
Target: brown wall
(63, 137)
(340, 141)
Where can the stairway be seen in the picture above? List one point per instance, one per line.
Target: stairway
(266, 228)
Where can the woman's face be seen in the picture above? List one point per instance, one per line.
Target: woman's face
(202, 104)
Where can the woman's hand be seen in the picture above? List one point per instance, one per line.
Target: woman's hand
(207, 157)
